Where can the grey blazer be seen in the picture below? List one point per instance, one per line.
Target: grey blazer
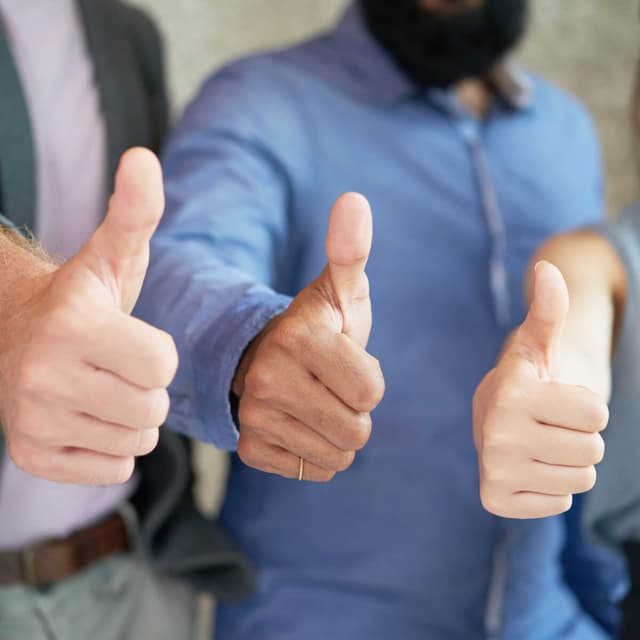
(128, 56)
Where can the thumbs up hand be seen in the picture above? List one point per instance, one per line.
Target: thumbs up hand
(306, 384)
(83, 385)
(537, 438)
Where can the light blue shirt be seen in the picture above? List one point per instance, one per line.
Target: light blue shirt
(399, 545)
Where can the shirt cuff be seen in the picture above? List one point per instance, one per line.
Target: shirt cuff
(216, 356)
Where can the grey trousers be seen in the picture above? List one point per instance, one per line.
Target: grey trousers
(119, 598)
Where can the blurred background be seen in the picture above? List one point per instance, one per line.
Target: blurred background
(587, 47)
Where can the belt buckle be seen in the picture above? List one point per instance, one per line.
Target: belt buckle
(29, 571)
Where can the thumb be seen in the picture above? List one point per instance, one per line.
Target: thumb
(348, 246)
(118, 252)
(543, 325)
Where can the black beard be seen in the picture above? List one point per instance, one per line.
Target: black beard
(437, 50)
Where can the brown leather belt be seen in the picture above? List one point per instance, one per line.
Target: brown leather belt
(52, 561)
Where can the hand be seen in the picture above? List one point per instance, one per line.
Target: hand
(82, 384)
(537, 438)
(306, 384)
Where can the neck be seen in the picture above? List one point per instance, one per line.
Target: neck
(476, 97)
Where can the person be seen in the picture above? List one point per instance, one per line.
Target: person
(469, 163)
(83, 385)
(576, 352)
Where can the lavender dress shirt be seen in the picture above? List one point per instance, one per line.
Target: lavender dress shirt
(56, 70)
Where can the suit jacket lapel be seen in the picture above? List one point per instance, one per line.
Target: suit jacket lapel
(17, 160)
(118, 76)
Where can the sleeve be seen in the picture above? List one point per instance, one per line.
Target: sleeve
(612, 510)
(215, 258)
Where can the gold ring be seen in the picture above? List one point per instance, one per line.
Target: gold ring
(301, 468)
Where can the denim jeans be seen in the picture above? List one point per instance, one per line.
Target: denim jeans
(119, 598)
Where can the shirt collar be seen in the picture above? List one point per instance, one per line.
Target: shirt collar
(514, 85)
(376, 69)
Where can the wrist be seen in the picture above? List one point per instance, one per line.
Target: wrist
(24, 281)
(237, 385)
(18, 291)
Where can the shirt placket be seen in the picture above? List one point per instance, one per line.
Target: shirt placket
(471, 133)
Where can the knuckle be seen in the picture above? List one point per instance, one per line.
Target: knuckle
(586, 480)
(506, 397)
(380, 385)
(344, 460)
(494, 474)
(250, 415)
(497, 441)
(564, 504)
(154, 408)
(493, 502)
(598, 415)
(23, 455)
(122, 471)
(167, 359)
(124, 442)
(291, 334)
(157, 408)
(148, 440)
(249, 453)
(595, 449)
(259, 380)
(33, 375)
(359, 432)
(370, 393)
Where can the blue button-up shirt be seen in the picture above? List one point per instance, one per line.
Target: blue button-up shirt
(399, 545)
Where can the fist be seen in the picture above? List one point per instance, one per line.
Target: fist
(538, 439)
(83, 384)
(306, 384)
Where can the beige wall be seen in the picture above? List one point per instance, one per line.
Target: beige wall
(587, 46)
(590, 47)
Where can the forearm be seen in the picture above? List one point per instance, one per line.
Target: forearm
(596, 281)
(23, 271)
(22, 267)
